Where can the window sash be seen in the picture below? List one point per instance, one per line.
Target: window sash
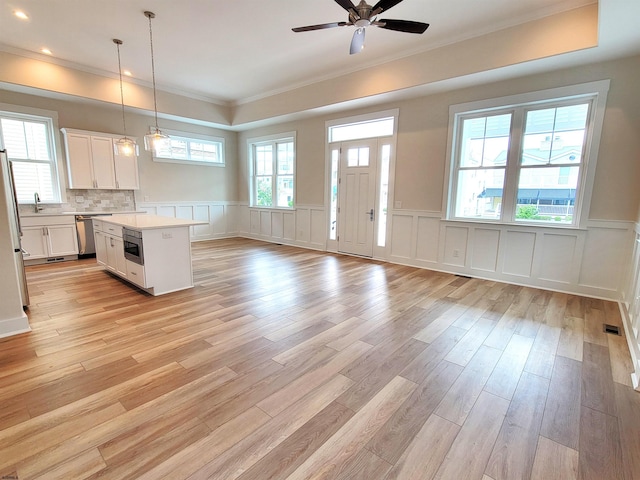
(516, 167)
(28, 140)
(194, 151)
(273, 173)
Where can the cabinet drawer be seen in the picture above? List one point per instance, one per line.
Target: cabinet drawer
(135, 274)
(111, 229)
(98, 226)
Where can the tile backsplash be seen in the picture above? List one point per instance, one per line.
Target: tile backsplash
(89, 201)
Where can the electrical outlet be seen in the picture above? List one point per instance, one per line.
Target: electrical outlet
(397, 204)
(146, 198)
(456, 253)
(166, 235)
(79, 199)
(127, 198)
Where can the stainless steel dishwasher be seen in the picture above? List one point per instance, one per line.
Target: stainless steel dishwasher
(86, 241)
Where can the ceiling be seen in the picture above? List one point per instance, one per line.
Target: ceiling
(237, 51)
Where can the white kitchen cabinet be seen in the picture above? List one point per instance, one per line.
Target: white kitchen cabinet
(49, 241)
(34, 243)
(92, 164)
(110, 248)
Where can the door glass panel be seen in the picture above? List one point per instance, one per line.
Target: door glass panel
(335, 157)
(384, 195)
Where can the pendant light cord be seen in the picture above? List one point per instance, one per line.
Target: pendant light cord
(151, 15)
(124, 124)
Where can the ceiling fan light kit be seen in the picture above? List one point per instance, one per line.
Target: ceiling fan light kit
(363, 16)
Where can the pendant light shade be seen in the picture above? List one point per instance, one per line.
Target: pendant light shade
(155, 140)
(124, 146)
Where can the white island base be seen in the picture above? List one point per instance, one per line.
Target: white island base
(166, 245)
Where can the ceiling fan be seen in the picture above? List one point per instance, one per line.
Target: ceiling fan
(364, 15)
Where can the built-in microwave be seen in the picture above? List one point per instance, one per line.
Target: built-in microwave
(133, 245)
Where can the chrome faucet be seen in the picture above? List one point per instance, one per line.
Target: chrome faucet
(36, 199)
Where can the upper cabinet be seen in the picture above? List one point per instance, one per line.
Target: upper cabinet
(92, 164)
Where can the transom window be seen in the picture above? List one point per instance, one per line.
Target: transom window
(29, 145)
(526, 163)
(273, 171)
(192, 150)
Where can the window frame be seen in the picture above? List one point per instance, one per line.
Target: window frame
(194, 138)
(595, 92)
(274, 140)
(50, 119)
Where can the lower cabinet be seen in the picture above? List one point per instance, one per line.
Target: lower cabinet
(49, 241)
(110, 252)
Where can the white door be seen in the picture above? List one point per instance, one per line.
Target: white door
(357, 197)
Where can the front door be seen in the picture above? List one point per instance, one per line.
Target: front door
(357, 197)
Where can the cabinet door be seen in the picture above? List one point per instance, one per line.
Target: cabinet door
(79, 163)
(62, 240)
(120, 261)
(126, 172)
(111, 253)
(102, 156)
(101, 247)
(34, 242)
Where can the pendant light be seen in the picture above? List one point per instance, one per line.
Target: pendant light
(124, 146)
(155, 140)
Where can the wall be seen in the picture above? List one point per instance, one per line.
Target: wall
(591, 262)
(158, 181)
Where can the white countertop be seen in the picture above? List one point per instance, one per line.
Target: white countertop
(146, 221)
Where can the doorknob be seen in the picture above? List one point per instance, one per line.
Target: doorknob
(371, 214)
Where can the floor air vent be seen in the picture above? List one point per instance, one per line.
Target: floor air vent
(611, 329)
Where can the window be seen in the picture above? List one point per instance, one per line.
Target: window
(193, 149)
(28, 140)
(273, 171)
(530, 162)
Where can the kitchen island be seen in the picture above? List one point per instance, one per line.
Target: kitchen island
(150, 251)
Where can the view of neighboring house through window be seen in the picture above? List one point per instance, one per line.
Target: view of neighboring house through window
(28, 142)
(188, 149)
(273, 172)
(525, 163)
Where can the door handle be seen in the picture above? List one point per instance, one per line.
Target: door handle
(371, 214)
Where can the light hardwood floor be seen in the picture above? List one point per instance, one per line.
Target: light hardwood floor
(285, 363)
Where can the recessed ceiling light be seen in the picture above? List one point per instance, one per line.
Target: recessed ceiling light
(127, 73)
(21, 15)
(46, 51)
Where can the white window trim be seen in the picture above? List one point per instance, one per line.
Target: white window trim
(266, 139)
(598, 89)
(60, 184)
(194, 136)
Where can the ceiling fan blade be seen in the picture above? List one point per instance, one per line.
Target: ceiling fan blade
(383, 5)
(357, 42)
(407, 26)
(347, 5)
(322, 26)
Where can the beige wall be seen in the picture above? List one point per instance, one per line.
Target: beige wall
(422, 141)
(158, 181)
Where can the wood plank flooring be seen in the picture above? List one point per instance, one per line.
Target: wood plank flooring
(284, 363)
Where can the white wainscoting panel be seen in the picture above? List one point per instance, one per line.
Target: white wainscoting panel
(602, 257)
(221, 217)
(304, 226)
(401, 236)
(557, 257)
(455, 243)
(484, 249)
(518, 253)
(589, 261)
(427, 241)
(630, 307)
